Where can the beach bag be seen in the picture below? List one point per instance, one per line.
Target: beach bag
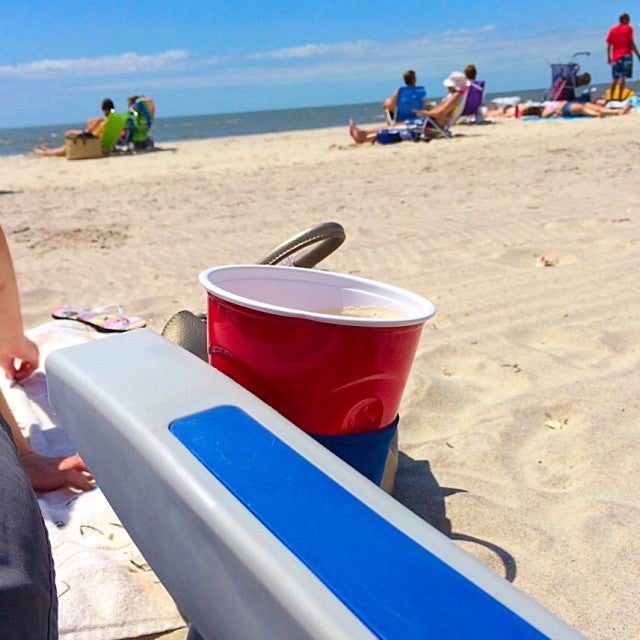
(82, 147)
(390, 136)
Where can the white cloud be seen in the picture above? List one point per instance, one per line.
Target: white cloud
(360, 48)
(496, 53)
(338, 49)
(121, 64)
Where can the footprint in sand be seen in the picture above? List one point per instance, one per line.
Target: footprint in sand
(572, 347)
(462, 376)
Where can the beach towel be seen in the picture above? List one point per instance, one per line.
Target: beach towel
(106, 591)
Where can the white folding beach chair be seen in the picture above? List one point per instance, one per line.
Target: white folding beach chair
(431, 128)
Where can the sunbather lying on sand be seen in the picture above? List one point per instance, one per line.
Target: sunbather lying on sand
(574, 109)
(560, 108)
(440, 113)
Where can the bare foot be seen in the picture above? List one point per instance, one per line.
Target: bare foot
(359, 136)
(43, 151)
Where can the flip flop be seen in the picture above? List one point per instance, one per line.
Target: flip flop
(101, 319)
(67, 312)
(104, 321)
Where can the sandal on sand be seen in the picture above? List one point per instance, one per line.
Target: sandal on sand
(101, 319)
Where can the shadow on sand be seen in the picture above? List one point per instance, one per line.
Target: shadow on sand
(417, 489)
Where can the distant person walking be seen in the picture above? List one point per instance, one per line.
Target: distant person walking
(620, 50)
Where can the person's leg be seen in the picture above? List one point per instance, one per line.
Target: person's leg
(442, 112)
(622, 83)
(582, 109)
(626, 71)
(46, 151)
(599, 110)
(28, 598)
(613, 95)
(361, 136)
(620, 71)
(617, 85)
(60, 151)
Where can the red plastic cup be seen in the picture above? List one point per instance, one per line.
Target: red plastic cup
(280, 333)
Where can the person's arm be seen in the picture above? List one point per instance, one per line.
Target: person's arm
(391, 102)
(95, 126)
(18, 355)
(44, 473)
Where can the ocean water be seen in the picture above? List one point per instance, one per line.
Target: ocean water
(22, 140)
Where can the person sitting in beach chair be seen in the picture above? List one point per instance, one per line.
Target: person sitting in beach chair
(473, 107)
(403, 102)
(466, 99)
(135, 136)
(573, 109)
(94, 129)
(439, 115)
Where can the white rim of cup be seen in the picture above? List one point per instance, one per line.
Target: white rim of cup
(423, 308)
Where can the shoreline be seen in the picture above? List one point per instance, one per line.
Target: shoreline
(518, 431)
(173, 129)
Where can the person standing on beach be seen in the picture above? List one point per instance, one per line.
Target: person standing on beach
(620, 50)
(28, 597)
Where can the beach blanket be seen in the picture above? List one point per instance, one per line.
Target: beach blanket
(106, 590)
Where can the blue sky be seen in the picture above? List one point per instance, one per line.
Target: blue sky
(59, 59)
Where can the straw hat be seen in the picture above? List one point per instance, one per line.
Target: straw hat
(456, 80)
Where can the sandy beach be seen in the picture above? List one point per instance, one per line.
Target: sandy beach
(519, 426)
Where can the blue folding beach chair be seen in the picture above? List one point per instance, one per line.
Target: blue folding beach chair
(409, 99)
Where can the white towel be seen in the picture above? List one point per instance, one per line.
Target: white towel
(106, 591)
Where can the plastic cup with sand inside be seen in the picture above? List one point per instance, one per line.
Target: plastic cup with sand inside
(330, 352)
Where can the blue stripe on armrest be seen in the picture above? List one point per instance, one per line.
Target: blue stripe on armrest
(390, 582)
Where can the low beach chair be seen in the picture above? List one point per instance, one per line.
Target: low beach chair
(86, 146)
(431, 129)
(138, 125)
(112, 129)
(409, 99)
(475, 97)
